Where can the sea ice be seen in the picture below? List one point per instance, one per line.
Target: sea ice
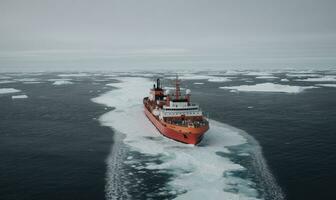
(19, 96)
(196, 170)
(257, 73)
(233, 72)
(198, 83)
(74, 75)
(32, 82)
(5, 77)
(266, 77)
(328, 78)
(62, 82)
(59, 79)
(111, 75)
(6, 81)
(326, 85)
(27, 79)
(303, 75)
(8, 90)
(268, 87)
(191, 77)
(219, 79)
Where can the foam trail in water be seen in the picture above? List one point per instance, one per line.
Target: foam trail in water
(198, 172)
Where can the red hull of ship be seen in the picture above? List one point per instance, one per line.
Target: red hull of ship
(192, 138)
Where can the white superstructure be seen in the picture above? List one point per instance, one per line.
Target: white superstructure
(178, 109)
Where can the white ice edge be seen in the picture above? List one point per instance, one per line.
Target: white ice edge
(205, 180)
(219, 79)
(27, 79)
(298, 75)
(74, 75)
(5, 77)
(268, 87)
(62, 82)
(266, 77)
(326, 85)
(7, 81)
(20, 96)
(33, 82)
(199, 77)
(191, 77)
(327, 78)
(8, 90)
(257, 73)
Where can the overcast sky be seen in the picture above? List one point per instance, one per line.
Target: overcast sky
(112, 34)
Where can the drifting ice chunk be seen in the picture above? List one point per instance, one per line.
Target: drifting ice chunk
(8, 90)
(268, 87)
(62, 82)
(74, 75)
(219, 79)
(266, 77)
(5, 82)
(320, 79)
(20, 96)
(326, 85)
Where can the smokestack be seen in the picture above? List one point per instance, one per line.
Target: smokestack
(158, 83)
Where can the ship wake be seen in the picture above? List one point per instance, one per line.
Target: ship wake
(144, 164)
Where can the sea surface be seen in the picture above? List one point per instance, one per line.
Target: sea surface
(83, 135)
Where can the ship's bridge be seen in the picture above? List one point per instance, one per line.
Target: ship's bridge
(178, 104)
(177, 109)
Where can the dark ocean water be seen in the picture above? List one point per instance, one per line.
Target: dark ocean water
(53, 147)
(50, 145)
(297, 133)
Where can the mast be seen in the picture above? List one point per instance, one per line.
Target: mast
(177, 88)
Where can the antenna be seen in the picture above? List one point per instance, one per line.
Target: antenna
(177, 88)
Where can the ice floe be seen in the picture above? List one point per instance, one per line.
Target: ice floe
(110, 75)
(210, 78)
(198, 83)
(32, 82)
(266, 77)
(59, 79)
(27, 79)
(5, 77)
(144, 74)
(257, 73)
(303, 75)
(197, 171)
(191, 77)
(309, 71)
(326, 85)
(219, 79)
(284, 80)
(268, 87)
(328, 78)
(233, 72)
(23, 96)
(62, 82)
(8, 90)
(74, 75)
(7, 81)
